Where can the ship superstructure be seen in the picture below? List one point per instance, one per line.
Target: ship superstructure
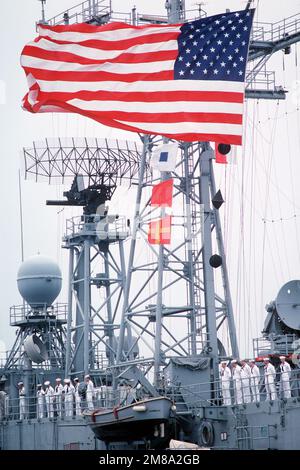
(159, 380)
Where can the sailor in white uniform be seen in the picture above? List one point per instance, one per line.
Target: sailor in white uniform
(40, 395)
(237, 383)
(49, 395)
(69, 397)
(245, 377)
(225, 377)
(270, 377)
(89, 392)
(254, 381)
(77, 397)
(22, 400)
(58, 391)
(285, 375)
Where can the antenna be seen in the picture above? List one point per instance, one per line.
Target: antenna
(43, 2)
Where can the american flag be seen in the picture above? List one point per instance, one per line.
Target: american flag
(183, 81)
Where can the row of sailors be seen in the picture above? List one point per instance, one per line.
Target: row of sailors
(51, 399)
(246, 380)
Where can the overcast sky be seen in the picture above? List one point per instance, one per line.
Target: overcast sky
(262, 255)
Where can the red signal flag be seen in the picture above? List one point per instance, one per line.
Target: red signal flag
(162, 194)
(159, 232)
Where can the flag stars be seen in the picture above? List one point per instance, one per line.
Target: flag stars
(216, 50)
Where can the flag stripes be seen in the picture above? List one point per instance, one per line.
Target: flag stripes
(124, 76)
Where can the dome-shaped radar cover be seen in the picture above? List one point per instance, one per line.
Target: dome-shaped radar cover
(39, 281)
(288, 304)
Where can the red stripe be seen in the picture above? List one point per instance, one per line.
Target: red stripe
(89, 28)
(125, 58)
(122, 44)
(98, 76)
(150, 97)
(215, 118)
(224, 138)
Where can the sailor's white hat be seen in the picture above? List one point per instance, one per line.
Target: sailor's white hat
(252, 360)
(39, 385)
(266, 359)
(281, 357)
(66, 381)
(87, 376)
(20, 383)
(234, 361)
(47, 383)
(76, 379)
(224, 362)
(58, 379)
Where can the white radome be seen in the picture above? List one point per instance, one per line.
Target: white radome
(39, 281)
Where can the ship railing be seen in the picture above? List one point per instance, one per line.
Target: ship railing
(108, 227)
(288, 344)
(281, 386)
(26, 313)
(82, 12)
(59, 406)
(247, 435)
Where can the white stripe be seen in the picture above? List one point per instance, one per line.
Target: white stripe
(161, 107)
(147, 87)
(99, 54)
(187, 127)
(114, 36)
(144, 67)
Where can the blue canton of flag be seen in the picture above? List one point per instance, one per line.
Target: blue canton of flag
(215, 48)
